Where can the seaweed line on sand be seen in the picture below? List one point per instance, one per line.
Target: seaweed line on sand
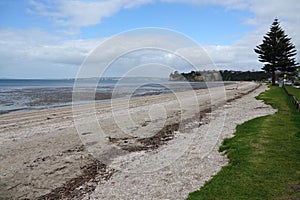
(92, 174)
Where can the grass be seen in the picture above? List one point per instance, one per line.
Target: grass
(264, 157)
(294, 91)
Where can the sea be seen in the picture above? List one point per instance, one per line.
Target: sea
(18, 95)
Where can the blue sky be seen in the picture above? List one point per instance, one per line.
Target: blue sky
(51, 39)
(200, 23)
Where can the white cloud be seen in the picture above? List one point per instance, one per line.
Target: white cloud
(34, 51)
(266, 10)
(77, 13)
(228, 4)
(30, 44)
(142, 47)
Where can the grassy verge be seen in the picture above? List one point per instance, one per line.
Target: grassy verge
(294, 91)
(264, 157)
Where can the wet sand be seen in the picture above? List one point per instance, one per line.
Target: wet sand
(44, 156)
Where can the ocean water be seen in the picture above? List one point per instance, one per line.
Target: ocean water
(21, 95)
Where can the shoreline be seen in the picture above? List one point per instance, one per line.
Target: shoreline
(37, 98)
(55, 159)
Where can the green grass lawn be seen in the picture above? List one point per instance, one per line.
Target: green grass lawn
(264, 157)
(294, 91)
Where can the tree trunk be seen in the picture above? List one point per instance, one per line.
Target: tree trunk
(273, 77)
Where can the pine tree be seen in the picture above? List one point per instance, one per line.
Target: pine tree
(277, 51)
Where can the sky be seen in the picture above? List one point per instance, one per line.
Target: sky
(54, 38)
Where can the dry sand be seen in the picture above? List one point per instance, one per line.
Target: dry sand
(156, 147)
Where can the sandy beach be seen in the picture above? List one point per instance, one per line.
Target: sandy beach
(152, 147)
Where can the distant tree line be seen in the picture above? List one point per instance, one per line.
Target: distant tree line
(225, 75)
(245, 76)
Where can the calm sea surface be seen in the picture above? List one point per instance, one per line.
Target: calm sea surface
(21, 95)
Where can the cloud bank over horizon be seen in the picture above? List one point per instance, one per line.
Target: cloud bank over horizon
(51, 39)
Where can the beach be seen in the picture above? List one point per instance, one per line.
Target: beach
(167, 149)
